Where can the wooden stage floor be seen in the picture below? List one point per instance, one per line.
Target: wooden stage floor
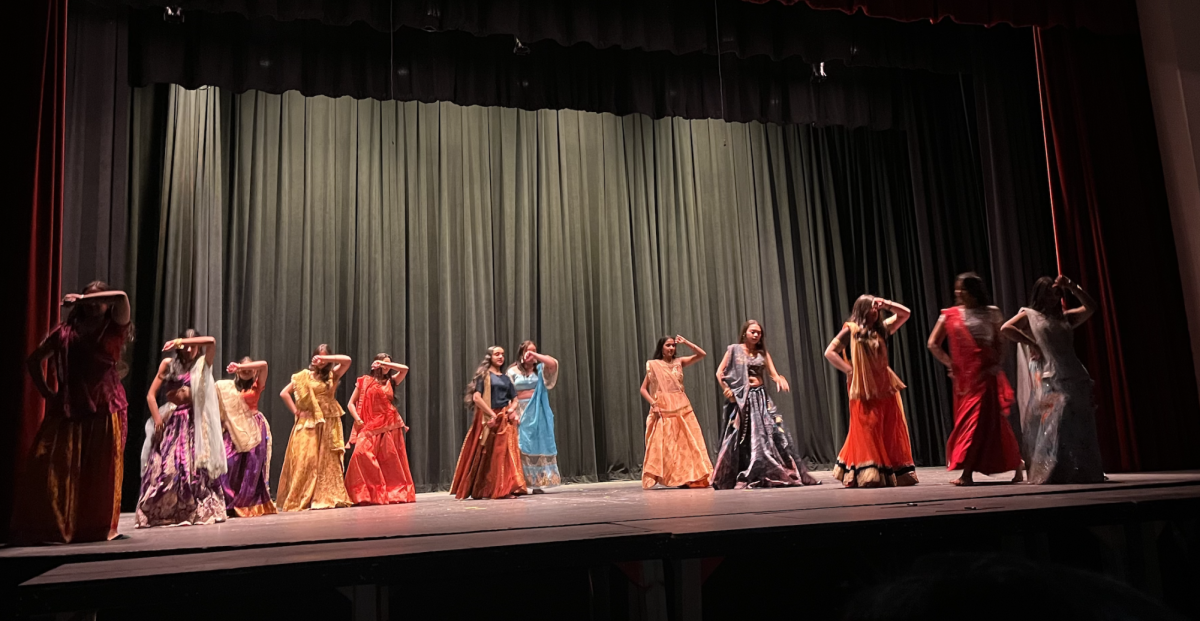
(607, 521)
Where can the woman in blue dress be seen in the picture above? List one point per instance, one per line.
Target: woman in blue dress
(533, 375)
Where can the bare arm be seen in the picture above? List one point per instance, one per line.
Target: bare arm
(1017, 330)
(117, 301)
(286, 395)
(725, 389)
(152, 394)
(936, 338)
(37, 372)
(781, 384)
(258, 366)
(399, 371)
(1079, 314)
(341, 364)
(480, 403)
(207, 342)
(696, 356)
(645, 390)
(352, 406)
(900, 314)
(833, 353)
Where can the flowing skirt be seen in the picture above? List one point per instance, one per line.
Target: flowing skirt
(877, 451)
(539, 453)
(378, 473)
(675, 452)
(247, 484)
(71, 489)
(982, 440)
(174, 491)
(312, 468)
(1060, 434)
(757, 451)
(489, 465)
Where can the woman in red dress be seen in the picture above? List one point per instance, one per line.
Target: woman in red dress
(71, 488)
(489, 465)
(982, 440)
(378, 472)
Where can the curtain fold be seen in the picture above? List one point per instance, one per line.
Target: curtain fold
(430, 231)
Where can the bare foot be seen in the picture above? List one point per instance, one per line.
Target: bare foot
(963, 481)
(1018, 476)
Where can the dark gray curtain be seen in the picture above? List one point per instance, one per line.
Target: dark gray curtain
(431, 231)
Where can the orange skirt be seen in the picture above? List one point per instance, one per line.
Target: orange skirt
(489, 465)
(877, 452)
(378, 473)
(675, 450)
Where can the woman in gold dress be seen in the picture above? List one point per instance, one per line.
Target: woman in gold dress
(312, 467)
(675, 452)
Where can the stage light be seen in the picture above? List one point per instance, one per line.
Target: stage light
(520, 49)
(818, 72)
(173, 14)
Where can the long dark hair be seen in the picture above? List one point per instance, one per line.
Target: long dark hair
(762, 337)
(181, 361)
(657, 355)
(382, 372)
(521, 349)
(858, 315)
(79, 312)
(480, 372)
(1042, 298)
(322, 373)
(244, 384)
(972, 283)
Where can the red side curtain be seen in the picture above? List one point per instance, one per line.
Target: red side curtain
(32, 236)
(1113, 231)
(1106, 16)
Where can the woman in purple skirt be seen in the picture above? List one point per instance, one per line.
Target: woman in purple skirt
(247, 440)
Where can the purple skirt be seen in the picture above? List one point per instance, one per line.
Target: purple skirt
(247, 483)
(173, 492)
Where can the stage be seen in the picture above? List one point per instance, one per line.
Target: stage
(580, 528)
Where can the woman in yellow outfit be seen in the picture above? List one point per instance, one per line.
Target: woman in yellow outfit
(312, 467)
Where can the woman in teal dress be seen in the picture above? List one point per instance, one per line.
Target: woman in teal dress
(533, 375)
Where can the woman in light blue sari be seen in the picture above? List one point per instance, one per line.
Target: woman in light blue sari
(533, 375)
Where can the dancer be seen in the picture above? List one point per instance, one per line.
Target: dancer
(982, 440)
(312, 466)
(675, 452)
(489, 465)
(183, 457)
(70, 491)
(877, 451)
(247, 484)
(756, 449)
(533, 375)
(1058, 420)
(378, 472)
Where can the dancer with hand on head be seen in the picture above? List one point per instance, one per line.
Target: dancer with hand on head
(247, 438)
(1058, 417)
(756, 449)
(533, 375)
(877, 452)
(982, 440)
(312, 466)
(378, 473)
(675, 452)
(184, 454)
(489, 465)
(70, 490)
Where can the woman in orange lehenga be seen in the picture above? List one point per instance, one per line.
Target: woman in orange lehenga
(490, 463)
(71, 488)
(877, 451)
(378, 473)
(312, 466)
(675, 451)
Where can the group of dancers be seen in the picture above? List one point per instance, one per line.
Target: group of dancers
(207, 451)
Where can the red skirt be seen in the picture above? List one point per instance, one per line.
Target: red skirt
(378, 473)
(877, 452)
(982, 440)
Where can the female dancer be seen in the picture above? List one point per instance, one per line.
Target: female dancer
(378, 473)
(982, 440)
(247, 484)
(184, 454)
(312, 466)
(533, 375)
(675, 451)
(757, 451)
(71, 488)
(1059, 421)
(877, 451)
(489, 465)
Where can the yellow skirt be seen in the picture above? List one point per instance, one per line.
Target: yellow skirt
(312, 467)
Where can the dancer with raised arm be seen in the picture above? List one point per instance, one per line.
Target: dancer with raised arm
(312, 466)
(70, 490)
(982, 440)
(489, 465)
(756, 449)
(378, 473)
(184, 454)
(675, 452)
(247, 437)
(1058, 419)
(877, 452)
(533, 375)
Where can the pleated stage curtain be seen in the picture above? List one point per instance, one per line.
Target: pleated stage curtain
(431, 231)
